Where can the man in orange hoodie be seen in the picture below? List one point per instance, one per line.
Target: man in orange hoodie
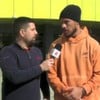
(76, 73)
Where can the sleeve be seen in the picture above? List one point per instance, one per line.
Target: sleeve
(94, 82)
(53, 77)
(11, 70)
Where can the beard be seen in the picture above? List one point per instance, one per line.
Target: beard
(68, 34)
(31, 42)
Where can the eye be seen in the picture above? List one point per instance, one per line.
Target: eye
(64, 21)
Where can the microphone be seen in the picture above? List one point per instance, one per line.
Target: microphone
(55, 52)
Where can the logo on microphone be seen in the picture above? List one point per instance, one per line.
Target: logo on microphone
(55, 53)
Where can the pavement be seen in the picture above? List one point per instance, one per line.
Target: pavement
(51, 94)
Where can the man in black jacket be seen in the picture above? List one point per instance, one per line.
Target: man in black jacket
(21, 63)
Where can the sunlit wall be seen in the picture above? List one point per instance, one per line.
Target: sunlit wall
(48, 9)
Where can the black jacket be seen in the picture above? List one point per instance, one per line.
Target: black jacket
(21, 73)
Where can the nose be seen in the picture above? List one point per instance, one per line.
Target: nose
(64, 25)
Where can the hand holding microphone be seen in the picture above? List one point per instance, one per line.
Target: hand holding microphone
(54, 53)
(46, 64)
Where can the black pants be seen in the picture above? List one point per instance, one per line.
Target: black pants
(44, 86)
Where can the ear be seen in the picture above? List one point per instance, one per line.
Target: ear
(22, 32)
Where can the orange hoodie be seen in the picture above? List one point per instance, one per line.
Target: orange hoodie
(78, 65)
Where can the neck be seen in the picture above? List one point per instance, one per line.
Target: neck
(77, 32)
(22, 44)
